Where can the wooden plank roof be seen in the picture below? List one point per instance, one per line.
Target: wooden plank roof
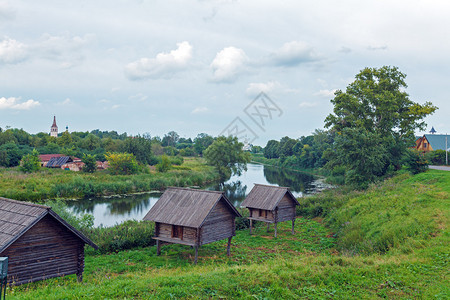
(17, 217)
(186, 207)
(267, 197)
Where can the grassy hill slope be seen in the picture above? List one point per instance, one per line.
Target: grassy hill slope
(391, 241)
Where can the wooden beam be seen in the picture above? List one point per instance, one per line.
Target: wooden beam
(251, 223)
(276, 229)
(158, 247)
(293, 224)
(268, 227)
(196, 254)
(229, 246)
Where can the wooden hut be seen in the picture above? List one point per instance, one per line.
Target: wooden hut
(192, 217)
(270, 204)
(39, 243)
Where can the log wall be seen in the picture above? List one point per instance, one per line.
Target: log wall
(165, 230)
(219, 225)
(286, 209)
(46, 250)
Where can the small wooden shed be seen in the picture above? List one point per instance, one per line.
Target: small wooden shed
(270, 204)
(39, 243)
(192, 217)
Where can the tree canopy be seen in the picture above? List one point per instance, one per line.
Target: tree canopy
(374, 121)
(227, 156)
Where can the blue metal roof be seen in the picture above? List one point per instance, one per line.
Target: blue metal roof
(437, 141)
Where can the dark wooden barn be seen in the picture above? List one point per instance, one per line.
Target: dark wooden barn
(270, 204)
(192, 217)
(39, 243)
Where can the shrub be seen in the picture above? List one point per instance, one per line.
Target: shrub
(127, 235)
(90, 163)
(415, 161)
(164, 165)
(122, 163)
(30, 163)
(436, 157)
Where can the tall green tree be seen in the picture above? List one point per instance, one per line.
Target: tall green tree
(375, 105)
(227, 156)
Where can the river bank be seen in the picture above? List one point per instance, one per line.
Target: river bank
(61, 184)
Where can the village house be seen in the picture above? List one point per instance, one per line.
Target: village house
(39, 243)
(270, 204)
(432, 142)
(193, 217)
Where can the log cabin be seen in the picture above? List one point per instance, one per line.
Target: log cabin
(270, 204)
(192, 217)
(39, 243)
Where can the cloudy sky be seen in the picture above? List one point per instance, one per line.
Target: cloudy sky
(196, 66)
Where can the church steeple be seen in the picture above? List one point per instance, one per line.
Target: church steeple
(54, 128)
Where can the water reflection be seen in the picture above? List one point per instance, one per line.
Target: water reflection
(110, 211)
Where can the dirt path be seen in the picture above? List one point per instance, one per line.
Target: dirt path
(442, 168)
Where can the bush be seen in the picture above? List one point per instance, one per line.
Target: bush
(30, 163)
(127, 235)
(164, 165)
(436, 157)
(415, 161)
(122, 163)
(90, 163)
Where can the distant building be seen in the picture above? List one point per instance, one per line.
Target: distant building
(431, 142)
(54, 128)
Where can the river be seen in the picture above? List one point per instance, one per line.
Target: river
(114, 210)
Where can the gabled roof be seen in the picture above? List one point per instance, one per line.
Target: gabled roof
(57, 162)
(186, 207)
(437, 141)
(17, 217)
(267, 197)
(47, 157)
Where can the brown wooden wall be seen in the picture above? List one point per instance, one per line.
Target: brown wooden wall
(46, 250)
(219, 225)
(286, 209)
(165, 231)
(255, 213)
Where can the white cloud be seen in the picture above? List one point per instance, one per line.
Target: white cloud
(139, 97)
(294, 53)
(256, 88)
(12, 51)
(228, 63)
(66, 49)
(306, 104)
(325, 93)
(66, 102)
(115, 106)
(199, 110)
(163, 65)
(14, 103)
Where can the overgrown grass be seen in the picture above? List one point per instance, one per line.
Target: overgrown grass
(401, 212)
(315, 263)
(57, 183)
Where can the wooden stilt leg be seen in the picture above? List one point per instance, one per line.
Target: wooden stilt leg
(293, 224)
(158, 247)
(251, 223)
(268, 227)
(229, 246)
(275, 229)
(196, 254)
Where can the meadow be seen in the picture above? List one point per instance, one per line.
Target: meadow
(57, 183)
(390, 241)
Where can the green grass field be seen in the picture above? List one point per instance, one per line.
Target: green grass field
(327, 258)
(57, 183)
